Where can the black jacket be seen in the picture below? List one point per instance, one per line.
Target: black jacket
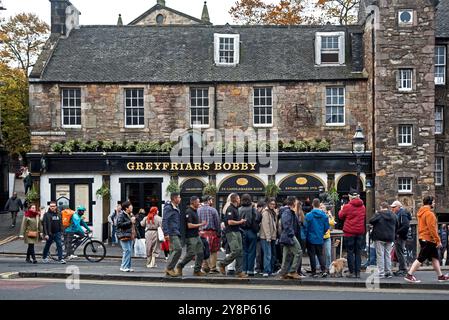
(124, 226)
(47, 220)
(140, 229)
(14, 205)
(171, 220)
(289, 225)
(404, 219)
(384, 226)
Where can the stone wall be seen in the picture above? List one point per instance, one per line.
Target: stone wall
(406, 47)
(166, 109)
(169, 18)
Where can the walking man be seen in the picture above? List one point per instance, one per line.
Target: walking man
(353, 215)
(210, 232)
(234, 237)
(291, 246)
(384, 230)
(315, 227)
(172, 231)
(52, 226)
(14, 205)
(195, 248)
(429, 241)
(403, 218)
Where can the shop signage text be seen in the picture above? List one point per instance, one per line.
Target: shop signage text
(173, 166)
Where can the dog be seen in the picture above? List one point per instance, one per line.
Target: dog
(337, 268)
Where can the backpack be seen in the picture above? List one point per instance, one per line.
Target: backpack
(67, 217)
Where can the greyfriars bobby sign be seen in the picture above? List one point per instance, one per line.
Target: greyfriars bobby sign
(180, 166)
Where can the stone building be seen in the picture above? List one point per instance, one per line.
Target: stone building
(167, 71)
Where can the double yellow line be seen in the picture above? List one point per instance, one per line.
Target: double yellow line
(9, 239)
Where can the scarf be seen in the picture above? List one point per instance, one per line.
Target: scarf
(31, 214)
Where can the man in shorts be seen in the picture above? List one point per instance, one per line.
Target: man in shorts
(429, 241)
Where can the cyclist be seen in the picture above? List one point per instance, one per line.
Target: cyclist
(75, 228)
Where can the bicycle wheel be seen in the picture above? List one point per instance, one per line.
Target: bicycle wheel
(94, 251)
(53, 253)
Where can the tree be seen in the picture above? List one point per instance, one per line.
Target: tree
(342, 10)
(22, 38)
(14, 110)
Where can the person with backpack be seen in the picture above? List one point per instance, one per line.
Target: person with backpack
(52, 227)
(126, 234)
(250, 229)
(75, 229)
(403, 218)
(112, 219)
(315, 227)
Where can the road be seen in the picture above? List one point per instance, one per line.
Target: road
(50, 289)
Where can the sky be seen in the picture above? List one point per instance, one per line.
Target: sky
(107, 11)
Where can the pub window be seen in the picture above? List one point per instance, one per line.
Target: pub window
(71, 107)
(405, 135)
(439, 171)
(263, 106)
(134, 108)
(227, 49)
(335, 106)
(439, 119)
(405, 79)
(330, 48)
(199, 107)
(405, 185)
(440, 65)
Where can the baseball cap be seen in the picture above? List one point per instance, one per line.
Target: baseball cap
(396, 204)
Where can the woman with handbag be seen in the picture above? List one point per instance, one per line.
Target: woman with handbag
(30, 230)
(126, 234)
(152, 223)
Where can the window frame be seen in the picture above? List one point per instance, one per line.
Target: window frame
(341, 50)
(139, 126)
(405, 191)
(200, 126)
(443, 66)
(263, 125)
(400, 80)
(337, 124)
(439, 171)
(217, 37)
(71, 126)
(439, 120)
(401, 144)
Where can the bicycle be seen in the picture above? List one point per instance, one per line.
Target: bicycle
(93, 251)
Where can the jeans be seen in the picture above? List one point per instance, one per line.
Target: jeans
(399, 247)
(269, 255)
(175, 252)
(294, 250)
(127, 251)
(327, 248)
(383, 254)
(53, 238)
(259, 256)
(235, 244)
(372, 258)
(249, 250)
(114, 234)
(195, 249)
(354, 246)
(316, 249)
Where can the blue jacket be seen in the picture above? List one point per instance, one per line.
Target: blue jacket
(290, 226)
(171, 220)
(315, 226)
(76, 223)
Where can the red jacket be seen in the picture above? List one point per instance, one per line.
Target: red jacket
(353, 216)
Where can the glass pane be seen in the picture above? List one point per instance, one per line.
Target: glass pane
(82, 198)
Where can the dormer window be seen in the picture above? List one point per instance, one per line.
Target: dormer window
(227, 49)
(330, 48)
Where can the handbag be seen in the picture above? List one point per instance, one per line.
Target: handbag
(140, 248)
(160, 234)
(32, 234)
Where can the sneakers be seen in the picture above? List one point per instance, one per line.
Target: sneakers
(62, 261)
(28, 261)
(130, 270)
(72, 256)
(314, 275)
(34, 261)
(388, 275)
(400, 273)
(443, 278)
(214, 271)
(199, 274)
(324, 275)
(293, 275)
(124, 269)
(302, 275)
(412, 279)
(45, 260)
(265, 275)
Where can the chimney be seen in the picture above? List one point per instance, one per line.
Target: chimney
(205, 14)
(58, 16)
(120, 21)
(161, 2)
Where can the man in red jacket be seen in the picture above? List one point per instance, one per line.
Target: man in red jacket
(353, 216)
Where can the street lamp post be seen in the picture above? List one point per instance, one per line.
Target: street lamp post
(358, 148)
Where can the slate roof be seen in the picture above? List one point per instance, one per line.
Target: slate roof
(185, 54)
(442, 19)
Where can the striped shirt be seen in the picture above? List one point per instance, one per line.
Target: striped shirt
(209, 214)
